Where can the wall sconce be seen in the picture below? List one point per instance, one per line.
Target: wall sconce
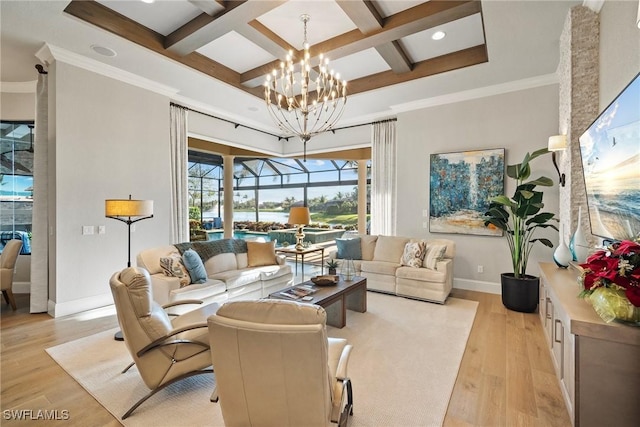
(557, 143)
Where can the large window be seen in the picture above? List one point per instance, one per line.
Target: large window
(265, 189)
(16, 182)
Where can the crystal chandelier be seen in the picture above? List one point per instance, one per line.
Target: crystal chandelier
(305, 98)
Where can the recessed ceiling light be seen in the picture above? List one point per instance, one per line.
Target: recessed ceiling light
(104, 51)
(438, 35)
(148, 1)
(253, 108)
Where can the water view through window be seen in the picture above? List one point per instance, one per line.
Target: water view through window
(265, 189)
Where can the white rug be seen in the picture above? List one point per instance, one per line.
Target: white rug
(403, 367)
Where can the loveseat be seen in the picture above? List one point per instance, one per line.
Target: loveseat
(231, 269)
(403, 266)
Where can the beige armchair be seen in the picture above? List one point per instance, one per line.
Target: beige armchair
(275, 365)
(8, 259)
(164, 350)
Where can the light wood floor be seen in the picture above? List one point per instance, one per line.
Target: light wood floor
(506, 377)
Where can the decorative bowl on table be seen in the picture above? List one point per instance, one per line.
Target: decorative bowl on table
(325, 280)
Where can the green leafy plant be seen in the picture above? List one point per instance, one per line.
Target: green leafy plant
(332, 263)
(519, 217)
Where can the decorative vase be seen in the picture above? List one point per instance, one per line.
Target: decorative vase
(562, 255)
(348, 270)
(578, 245)
(520, 294)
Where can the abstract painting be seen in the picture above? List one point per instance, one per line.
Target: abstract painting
(461, 186)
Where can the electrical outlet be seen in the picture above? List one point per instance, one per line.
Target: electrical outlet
(133, 228)
(480, 269)
(102, 229)
(425, 213)
(425, 225)
(87, 230)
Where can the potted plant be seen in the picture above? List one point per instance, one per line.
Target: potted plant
(332, 265)
(520, 217)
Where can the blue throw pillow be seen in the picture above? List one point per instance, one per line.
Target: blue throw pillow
(349, 248)
(195, 266)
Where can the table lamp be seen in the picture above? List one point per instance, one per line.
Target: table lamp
(299, 216)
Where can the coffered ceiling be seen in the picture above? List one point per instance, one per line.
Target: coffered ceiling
(372, 43)
(213, 55)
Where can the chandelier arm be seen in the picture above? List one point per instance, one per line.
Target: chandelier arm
(305, 88)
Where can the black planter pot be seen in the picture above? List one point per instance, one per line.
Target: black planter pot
(520, 294)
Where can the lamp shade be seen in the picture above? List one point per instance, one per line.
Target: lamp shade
(299, 215)
(127, 208)
(557, 143)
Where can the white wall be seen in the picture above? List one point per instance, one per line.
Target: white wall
(17, 106)
(619, 48)
(111, 140)
(520, 122)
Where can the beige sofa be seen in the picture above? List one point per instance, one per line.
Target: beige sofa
(381, 264)
(229, 274)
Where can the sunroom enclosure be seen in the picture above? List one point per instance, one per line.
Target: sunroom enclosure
(265, 188)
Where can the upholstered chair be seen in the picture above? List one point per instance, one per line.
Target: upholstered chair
(164, 349)
(275, 365)
(8, 259)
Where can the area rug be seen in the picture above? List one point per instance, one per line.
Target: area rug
(404, 365)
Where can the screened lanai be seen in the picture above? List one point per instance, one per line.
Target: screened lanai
(265, 188)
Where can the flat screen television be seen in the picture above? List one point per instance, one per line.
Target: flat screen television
(610, 151)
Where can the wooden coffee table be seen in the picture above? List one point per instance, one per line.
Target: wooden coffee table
(336, 299)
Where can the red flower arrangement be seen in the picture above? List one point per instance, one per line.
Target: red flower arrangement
(614, 272)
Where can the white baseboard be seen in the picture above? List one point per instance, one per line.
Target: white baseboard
(79, 305)
(21, 287)
(477, 285)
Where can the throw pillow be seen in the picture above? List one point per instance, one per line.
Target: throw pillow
(261, 253)
(349, 248)
(195, 266)
(172, 266)
(413, 254)
(434, 254)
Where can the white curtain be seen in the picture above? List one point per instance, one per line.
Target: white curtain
(40, 217)
(179, 194)
(383, 179)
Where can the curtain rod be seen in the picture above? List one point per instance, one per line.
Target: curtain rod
(274, 135)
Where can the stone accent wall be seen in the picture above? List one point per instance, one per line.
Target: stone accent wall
(578, 73)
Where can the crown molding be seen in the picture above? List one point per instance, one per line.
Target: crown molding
(483, 92)
(18, 87)
(49, 53)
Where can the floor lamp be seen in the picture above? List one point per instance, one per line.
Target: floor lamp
(299, 216)
(128, 211)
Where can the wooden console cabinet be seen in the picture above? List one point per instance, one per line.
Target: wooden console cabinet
(597, 363)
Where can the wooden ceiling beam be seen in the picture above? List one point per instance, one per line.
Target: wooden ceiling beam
(210, 7)
(395, 57)
(109, 20)
(418, 18)
(262, 36)
(96, 14)
(204, 29)
(363, 14)
(451, 61)
(368, 20)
